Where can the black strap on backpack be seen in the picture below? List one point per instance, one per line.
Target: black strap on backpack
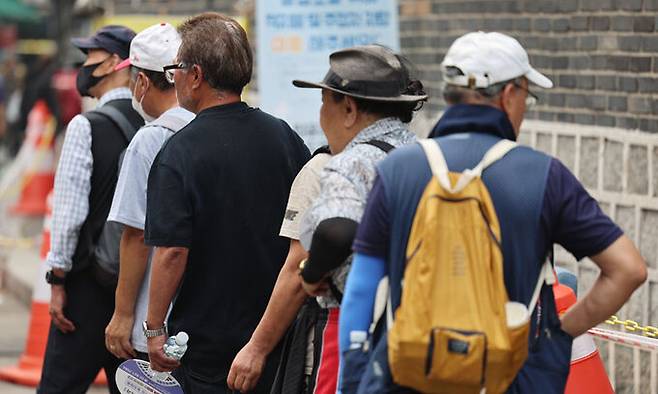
(105, 269)
(127, 129)
(386, 147)
(322, 149)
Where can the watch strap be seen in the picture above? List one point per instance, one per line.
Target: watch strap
(151, 333)
(53, 279)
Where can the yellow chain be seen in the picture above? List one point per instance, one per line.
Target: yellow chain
(633, 326)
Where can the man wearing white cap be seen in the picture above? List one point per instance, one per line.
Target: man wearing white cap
(538, 202)
(154, 97)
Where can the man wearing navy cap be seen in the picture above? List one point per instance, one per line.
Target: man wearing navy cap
(82, 290)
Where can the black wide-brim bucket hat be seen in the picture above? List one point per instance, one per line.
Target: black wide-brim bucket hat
(370, 72)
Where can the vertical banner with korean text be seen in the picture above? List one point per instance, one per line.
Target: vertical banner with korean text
(295, 38)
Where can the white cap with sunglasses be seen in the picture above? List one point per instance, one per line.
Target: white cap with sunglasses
(486, 59)
(153, 48)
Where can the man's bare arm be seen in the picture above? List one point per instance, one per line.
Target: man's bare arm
(167, 270)
(132, 266)
(286, 300)
(622, 271)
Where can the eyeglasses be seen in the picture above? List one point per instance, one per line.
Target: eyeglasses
(531, 99)
(169, 70)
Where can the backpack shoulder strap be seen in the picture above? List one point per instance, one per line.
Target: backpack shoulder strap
(119, 119)
(547, 276)
(322, 149)
(171, 122)
(439, 167)
(436, 161)
(385, 146)
(495, 153)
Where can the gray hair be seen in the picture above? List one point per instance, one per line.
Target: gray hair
(219, 45)
(455, 94)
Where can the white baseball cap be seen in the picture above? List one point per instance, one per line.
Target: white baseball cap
(489, 58)
(153, 48)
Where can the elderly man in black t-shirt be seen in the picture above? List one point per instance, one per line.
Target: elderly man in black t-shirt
(216, 194)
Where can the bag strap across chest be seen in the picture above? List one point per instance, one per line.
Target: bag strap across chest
(440, 170)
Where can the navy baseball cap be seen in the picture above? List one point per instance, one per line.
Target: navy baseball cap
(114, 39)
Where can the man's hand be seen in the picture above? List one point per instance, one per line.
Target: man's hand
(56, 310)
(117, 336)
(159, 360)
(246, 369)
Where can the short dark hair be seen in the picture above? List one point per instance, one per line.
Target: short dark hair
(219, 45)
(158, 79)
(385, 109)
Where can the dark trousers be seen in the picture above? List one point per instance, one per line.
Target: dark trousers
(192, 384)
(197, 381)
(73, 360)
(142, 356)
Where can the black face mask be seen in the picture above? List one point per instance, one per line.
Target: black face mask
(85, 80)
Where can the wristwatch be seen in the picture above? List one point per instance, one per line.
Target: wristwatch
(53, 279)
(153, 333)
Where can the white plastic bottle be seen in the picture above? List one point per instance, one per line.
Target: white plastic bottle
(357, 338)
(176, 345)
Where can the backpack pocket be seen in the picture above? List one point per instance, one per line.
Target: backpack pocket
(456, 357)
(518, 328)
(518, 348)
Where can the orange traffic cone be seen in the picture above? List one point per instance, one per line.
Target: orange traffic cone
(40, 176)
(28, 370)
(587, 374)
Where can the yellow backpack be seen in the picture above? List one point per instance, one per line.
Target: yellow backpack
(456, 330)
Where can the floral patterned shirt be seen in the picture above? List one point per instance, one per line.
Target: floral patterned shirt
(345, 183)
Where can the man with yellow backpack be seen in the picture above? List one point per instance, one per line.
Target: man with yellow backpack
(460, 226)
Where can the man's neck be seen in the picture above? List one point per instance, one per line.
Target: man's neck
(212, 98)
(166, 101)
(364, 121)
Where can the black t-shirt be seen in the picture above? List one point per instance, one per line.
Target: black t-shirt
(219, 187)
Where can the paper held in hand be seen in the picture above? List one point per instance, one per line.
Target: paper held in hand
(137, 377)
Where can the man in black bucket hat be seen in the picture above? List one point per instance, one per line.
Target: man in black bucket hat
(367, 97)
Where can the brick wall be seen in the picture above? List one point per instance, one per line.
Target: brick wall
(601, 54)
